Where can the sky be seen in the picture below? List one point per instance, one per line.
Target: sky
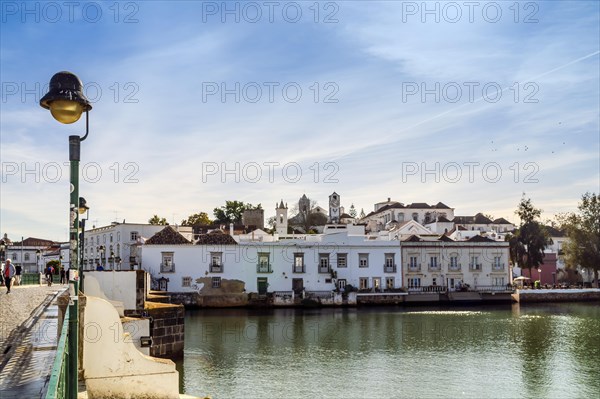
(473, 104)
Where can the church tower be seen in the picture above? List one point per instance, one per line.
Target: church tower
(281, 218)
(334, 208)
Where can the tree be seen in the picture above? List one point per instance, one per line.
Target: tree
(352, 211)
(158, 221)
(232, 211)
(196, 219)
(530, 239)
(583, 230)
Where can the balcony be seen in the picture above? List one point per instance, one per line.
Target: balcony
(167, 267)
(264, 268)
(475, 267)
(216, 268)
(389, 268)
(454, 267)
(497, 267)
(324, 269)
(413, 267)
(433, 267)
(298, 268)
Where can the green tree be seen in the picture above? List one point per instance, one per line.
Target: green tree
(158, 221)
(197, 219)
(232, 211)
(583, 230)
(531, 238)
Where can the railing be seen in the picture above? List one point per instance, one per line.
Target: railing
(427, 289)
(324, 270)
(475, 266)
(497, 266)
(30, 279)
(494, 288)
(389, 268)
(216, 268)
(298, 268)
(283, 295)
(264, 268)
(167, 267)
(320, 294)
(58, 386)
(432, 267)
(411, 267)
(454, 267)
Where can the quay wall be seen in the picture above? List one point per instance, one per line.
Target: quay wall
(557, 295)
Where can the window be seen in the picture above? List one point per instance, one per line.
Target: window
(25, 257)
(342, 260)
(415, 216)
(389, 283)
(413, 264)
(475, 263)
(118, 236)
(111, 237)
(433, 262)
(263, 263)
(299, 262)
(363, 283)
(216, 262)
(104, 238)
(216, 282)
(414, 282)
(167, 265)
(390, 263)
(497, 264)
(498, 281)
(97, 240)
(14, 256)
(434, 281)
(133, 235)
(454, 262)
(400, 217)
(341, 284)
(363, 260)
(324, 263)
(186, 281)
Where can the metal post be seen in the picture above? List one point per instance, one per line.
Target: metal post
(82, 246)
(74, 158)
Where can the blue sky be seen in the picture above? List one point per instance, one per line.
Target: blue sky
(368, 99)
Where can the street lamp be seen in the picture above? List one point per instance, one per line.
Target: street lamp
(540, 276)
(101, 250)
(66, 103)
(38, 254)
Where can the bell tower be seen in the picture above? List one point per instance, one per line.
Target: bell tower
(281, 218)
(334, 208)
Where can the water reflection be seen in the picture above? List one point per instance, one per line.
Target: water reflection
(537, 351)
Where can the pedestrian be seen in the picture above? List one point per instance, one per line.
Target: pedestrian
(49, 275)
(8, 273)
(18, 269)
(62, 275)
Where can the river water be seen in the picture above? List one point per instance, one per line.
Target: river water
(533, 351)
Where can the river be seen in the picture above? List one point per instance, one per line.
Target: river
(532, 351)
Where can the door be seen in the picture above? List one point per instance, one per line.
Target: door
(262, 285)
(297, 285)
(377, 283)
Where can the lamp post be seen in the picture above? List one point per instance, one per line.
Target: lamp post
(83, 208)
(101, 250)
(38, 254)
(66, 103)
(540, 276)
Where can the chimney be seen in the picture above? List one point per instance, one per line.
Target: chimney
(231, 229)
(389, 199)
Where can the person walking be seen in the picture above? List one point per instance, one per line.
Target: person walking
(8, 273)
(62, 275)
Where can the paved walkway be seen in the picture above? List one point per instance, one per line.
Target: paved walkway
(28, 339)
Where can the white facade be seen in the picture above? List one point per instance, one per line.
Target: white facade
(450, 265)
(313, 263)
(120, 240)
(389, 211)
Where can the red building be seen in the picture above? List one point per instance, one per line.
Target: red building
(548, 268)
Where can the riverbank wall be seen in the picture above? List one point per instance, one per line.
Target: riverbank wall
(557, 295)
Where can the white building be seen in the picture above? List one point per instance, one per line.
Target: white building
(28, 253)
(342, 256)
(392, 211)
(443, 264)
(116, 246)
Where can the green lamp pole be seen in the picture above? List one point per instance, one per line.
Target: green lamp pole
(66, 103)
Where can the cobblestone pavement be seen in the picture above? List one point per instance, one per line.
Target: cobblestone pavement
(28, 337)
